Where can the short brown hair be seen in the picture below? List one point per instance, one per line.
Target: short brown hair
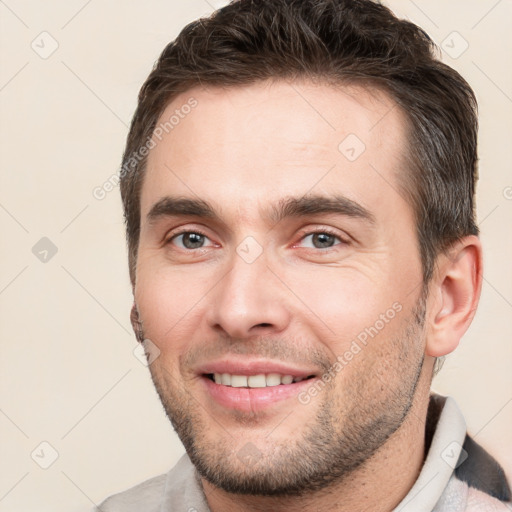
(336, 42)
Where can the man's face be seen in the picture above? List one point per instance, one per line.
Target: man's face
(273, 241)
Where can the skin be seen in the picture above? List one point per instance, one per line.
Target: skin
(357, 444)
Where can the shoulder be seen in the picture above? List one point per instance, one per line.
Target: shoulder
(179, 489)
(145, 496)
(482, 472)
(482, 480)
(479, 501)
(458, 496)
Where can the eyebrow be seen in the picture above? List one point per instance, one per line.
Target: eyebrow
(285, 208)
(319, 204)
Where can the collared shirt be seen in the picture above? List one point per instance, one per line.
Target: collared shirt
(458, 475)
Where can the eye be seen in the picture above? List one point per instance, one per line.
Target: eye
(321, 240)
(190, 240)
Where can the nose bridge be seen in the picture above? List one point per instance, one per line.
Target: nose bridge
(247, 300)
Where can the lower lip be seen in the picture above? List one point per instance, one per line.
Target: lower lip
(254, 399)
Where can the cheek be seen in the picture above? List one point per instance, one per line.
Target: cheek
(170, 304)
(342, 301)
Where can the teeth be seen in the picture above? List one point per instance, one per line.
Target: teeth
(273, 379)
(257, 381)
(254, 381)
(238, 381)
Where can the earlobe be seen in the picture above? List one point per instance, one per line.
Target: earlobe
(455, 291)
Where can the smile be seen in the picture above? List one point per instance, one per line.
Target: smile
(254, 381)
(253, 393)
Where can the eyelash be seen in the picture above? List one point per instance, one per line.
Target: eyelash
(326, 231)
(184, 232)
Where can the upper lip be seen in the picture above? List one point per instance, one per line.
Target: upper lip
(253, 367)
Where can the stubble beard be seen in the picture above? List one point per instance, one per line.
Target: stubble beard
(348, 428)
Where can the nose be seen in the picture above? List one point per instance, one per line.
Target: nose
(248, 301)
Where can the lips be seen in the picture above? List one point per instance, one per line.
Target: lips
(240, 366)
(253, 385)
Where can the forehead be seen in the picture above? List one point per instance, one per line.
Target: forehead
(242, 146)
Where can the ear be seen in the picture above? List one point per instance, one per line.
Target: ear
(453, 296)
(136, 323)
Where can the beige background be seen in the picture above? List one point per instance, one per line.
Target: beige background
(68, 373)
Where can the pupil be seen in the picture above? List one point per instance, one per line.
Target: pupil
(323, 240)
(193, 240)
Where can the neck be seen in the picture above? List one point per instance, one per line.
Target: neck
(378, 485)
